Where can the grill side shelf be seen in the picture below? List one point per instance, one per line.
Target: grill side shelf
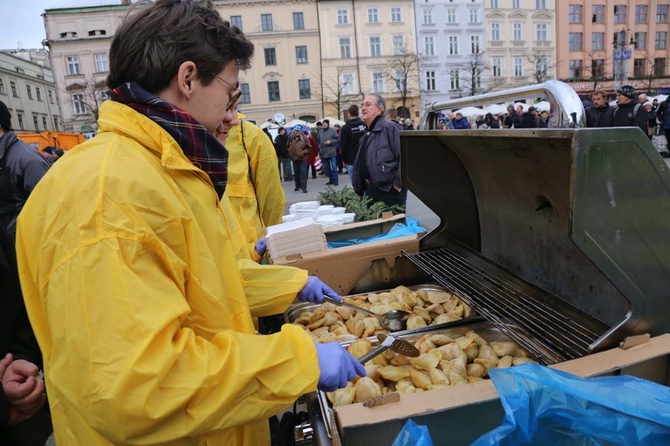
(542, 323)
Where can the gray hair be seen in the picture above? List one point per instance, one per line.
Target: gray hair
(379, 102)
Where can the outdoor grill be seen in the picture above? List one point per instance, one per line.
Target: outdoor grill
(559, 237)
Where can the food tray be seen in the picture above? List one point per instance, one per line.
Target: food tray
(295, 310)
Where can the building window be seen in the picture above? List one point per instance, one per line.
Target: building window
(518, 66)
(598, 69)
(575, 13)
(51, 96)
(541, 32)
(19, 116)
(494, 3)
(400, 79)
(30, 92)
(540, 4)
(638, 67)
(542, 66)
(266, 22)
(301, 54)
(474, 16)
(2, 87)
(270, 56)
(38, 94)
(641, 41)
(375, 47)
(104, 95)
(44, 122)
(454, 83)
(451, 16)
(661, 40)
(298, 20)
(497, 66)
(347, 80)
(373, 15)
(427, 16)
(516, 33)
(659, 66)
(515, 4)
(598, 14)
(304, 89)
(345, 48)
(661, 13)
(37, 127)
(474, 44)
(597, 41)
(236, 20)
(101, 65)
(78, 104)
(396, 15)
(429, 45)
(575, 41)
(72, 65)
(377, 82)
(453, 45)
(575, 69)
(273, 91)
(641, 13)
(430, 81)
(97, 32)
(398, 45)
(620, 13)
(55, 123)
(495, 31)
(12, 85)
(342, 16)
(245, 98)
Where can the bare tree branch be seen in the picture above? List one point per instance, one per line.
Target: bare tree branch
(335, 93)
(404, 74)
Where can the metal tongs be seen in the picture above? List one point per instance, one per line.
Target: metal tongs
(394, 320)
(396, 345)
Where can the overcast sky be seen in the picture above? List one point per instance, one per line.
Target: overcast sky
(22, 24)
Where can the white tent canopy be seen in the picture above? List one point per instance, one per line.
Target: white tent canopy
(542, 106)
(470, 111)
(495, 109)
(295, 122)
(334, 121)
(268, 125)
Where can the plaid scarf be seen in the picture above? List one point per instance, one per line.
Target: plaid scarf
(198, 144)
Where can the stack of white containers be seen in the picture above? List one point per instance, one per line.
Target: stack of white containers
(297, 237)
(325, 215)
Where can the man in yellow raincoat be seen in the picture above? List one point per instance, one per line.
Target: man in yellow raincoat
(254, 186)
(128, 258)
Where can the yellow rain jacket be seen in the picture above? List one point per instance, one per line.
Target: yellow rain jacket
(254, 187)
(131, 282)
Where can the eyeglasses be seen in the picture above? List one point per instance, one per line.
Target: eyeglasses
(234, 97)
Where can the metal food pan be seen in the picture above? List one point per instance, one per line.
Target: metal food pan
(295, 310)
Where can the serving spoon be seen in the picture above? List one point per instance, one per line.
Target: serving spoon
(394, 320)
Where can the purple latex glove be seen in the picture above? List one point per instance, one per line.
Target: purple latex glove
(337, 366)
(314, 291)
(261, 246)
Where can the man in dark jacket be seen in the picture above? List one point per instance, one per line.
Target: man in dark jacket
(377, 165)
(599, 114)
(21, 167)
(328, 140)
(629, 112)
(281, 148)
(513, 119)
(351, 135)
(531, 119)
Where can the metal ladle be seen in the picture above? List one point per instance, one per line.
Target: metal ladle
(396, 345)
(394, 320)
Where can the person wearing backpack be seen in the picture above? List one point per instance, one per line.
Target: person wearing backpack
(298, 149)
(629, 112)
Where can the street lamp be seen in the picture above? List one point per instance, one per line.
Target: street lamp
(620, 55)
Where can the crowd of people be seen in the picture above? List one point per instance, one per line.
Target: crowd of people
(514, 118)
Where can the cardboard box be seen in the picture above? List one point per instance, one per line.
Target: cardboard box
(341, 268)
(459, 415)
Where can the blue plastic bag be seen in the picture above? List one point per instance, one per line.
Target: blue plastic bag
(398, 230)
(413, 435)
(544, 406)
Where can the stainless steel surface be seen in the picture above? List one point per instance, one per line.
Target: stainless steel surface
(320, 424)
(394, 320)
(577, 219)
(565, 107)
(396, 345)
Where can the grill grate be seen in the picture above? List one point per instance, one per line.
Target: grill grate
(524, 315)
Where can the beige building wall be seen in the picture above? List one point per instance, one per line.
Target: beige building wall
(586, 44)
(79, 41)
(365, 46)
(286, 59)
(27, 88)
(520, 42)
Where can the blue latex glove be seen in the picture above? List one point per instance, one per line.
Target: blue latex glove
(314, 290)
(337, 366)
(261, 246)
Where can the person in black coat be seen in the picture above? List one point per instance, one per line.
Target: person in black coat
(599, 113)
(531, 119)
(629, 112)
(281, 148)
(350, 137)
